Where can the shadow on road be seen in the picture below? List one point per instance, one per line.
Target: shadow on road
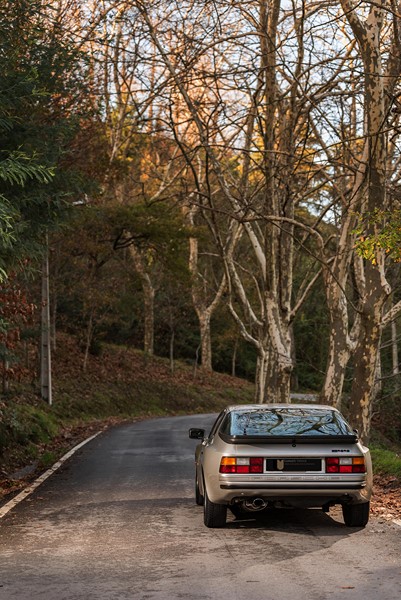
(302, 521)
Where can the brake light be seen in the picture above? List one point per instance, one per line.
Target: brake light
(229, 464)
(345, 464)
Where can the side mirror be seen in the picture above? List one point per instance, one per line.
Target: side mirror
(196, 434)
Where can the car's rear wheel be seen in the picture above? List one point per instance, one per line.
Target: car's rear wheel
(199, 497)
(356, 515)
(214, 515)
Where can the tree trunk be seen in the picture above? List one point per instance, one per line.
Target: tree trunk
(366, 354)
(203, 301)
(365, 359)
(338, 357)
(374, 289)
(273, 376)
(280, 341)
(148, 300)
(234, 358)
(149, 314)
(206, 342)
(88, 341)
(378, 386)
(278, 382)
(262, 365)
(283, 384)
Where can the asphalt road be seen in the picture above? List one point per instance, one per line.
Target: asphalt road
(118, 521)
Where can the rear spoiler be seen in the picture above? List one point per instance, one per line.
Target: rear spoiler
(289, 439)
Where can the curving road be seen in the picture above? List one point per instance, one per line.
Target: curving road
(118, 521)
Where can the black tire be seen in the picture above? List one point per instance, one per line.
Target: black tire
(214, 515)
(356, 515)
(199, 498)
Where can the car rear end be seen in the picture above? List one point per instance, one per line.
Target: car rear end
(294, 474)
(287, 456)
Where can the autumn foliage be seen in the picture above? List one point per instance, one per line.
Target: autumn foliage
(16, 314)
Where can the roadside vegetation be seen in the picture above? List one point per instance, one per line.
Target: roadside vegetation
(386, 461)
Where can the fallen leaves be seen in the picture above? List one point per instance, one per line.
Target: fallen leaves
(386, 500)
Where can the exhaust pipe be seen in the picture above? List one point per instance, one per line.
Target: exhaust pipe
(255, 504)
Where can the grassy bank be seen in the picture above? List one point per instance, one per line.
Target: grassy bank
(386, 461)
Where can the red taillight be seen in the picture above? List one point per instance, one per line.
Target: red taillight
(346, 464)
(229, 464)
(256, 465)
(332, 465)
(227, 469)
(358, 468)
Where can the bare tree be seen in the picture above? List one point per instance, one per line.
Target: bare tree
(258, 131)
(373, 31)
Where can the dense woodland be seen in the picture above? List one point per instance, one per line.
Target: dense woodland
(215, 181)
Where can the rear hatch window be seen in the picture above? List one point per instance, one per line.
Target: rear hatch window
(281, 424)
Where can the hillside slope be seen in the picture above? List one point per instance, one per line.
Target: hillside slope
(119, 384)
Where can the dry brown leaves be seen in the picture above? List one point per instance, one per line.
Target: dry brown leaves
(386, 501)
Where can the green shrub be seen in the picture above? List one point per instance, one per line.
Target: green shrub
(24, 424)
(385, 462)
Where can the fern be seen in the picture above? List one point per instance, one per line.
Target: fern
(18, 167)
(6, 124)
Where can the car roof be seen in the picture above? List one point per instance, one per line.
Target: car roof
(277, 405)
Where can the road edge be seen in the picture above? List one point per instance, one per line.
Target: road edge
(33, 486)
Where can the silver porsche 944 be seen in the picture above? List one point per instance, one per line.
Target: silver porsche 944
(281, 455)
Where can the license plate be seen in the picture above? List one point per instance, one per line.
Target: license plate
(293, 464)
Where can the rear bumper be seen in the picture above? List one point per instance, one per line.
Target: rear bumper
(323, 487)
(314, 491)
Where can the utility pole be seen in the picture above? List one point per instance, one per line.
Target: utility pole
(45, 346)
